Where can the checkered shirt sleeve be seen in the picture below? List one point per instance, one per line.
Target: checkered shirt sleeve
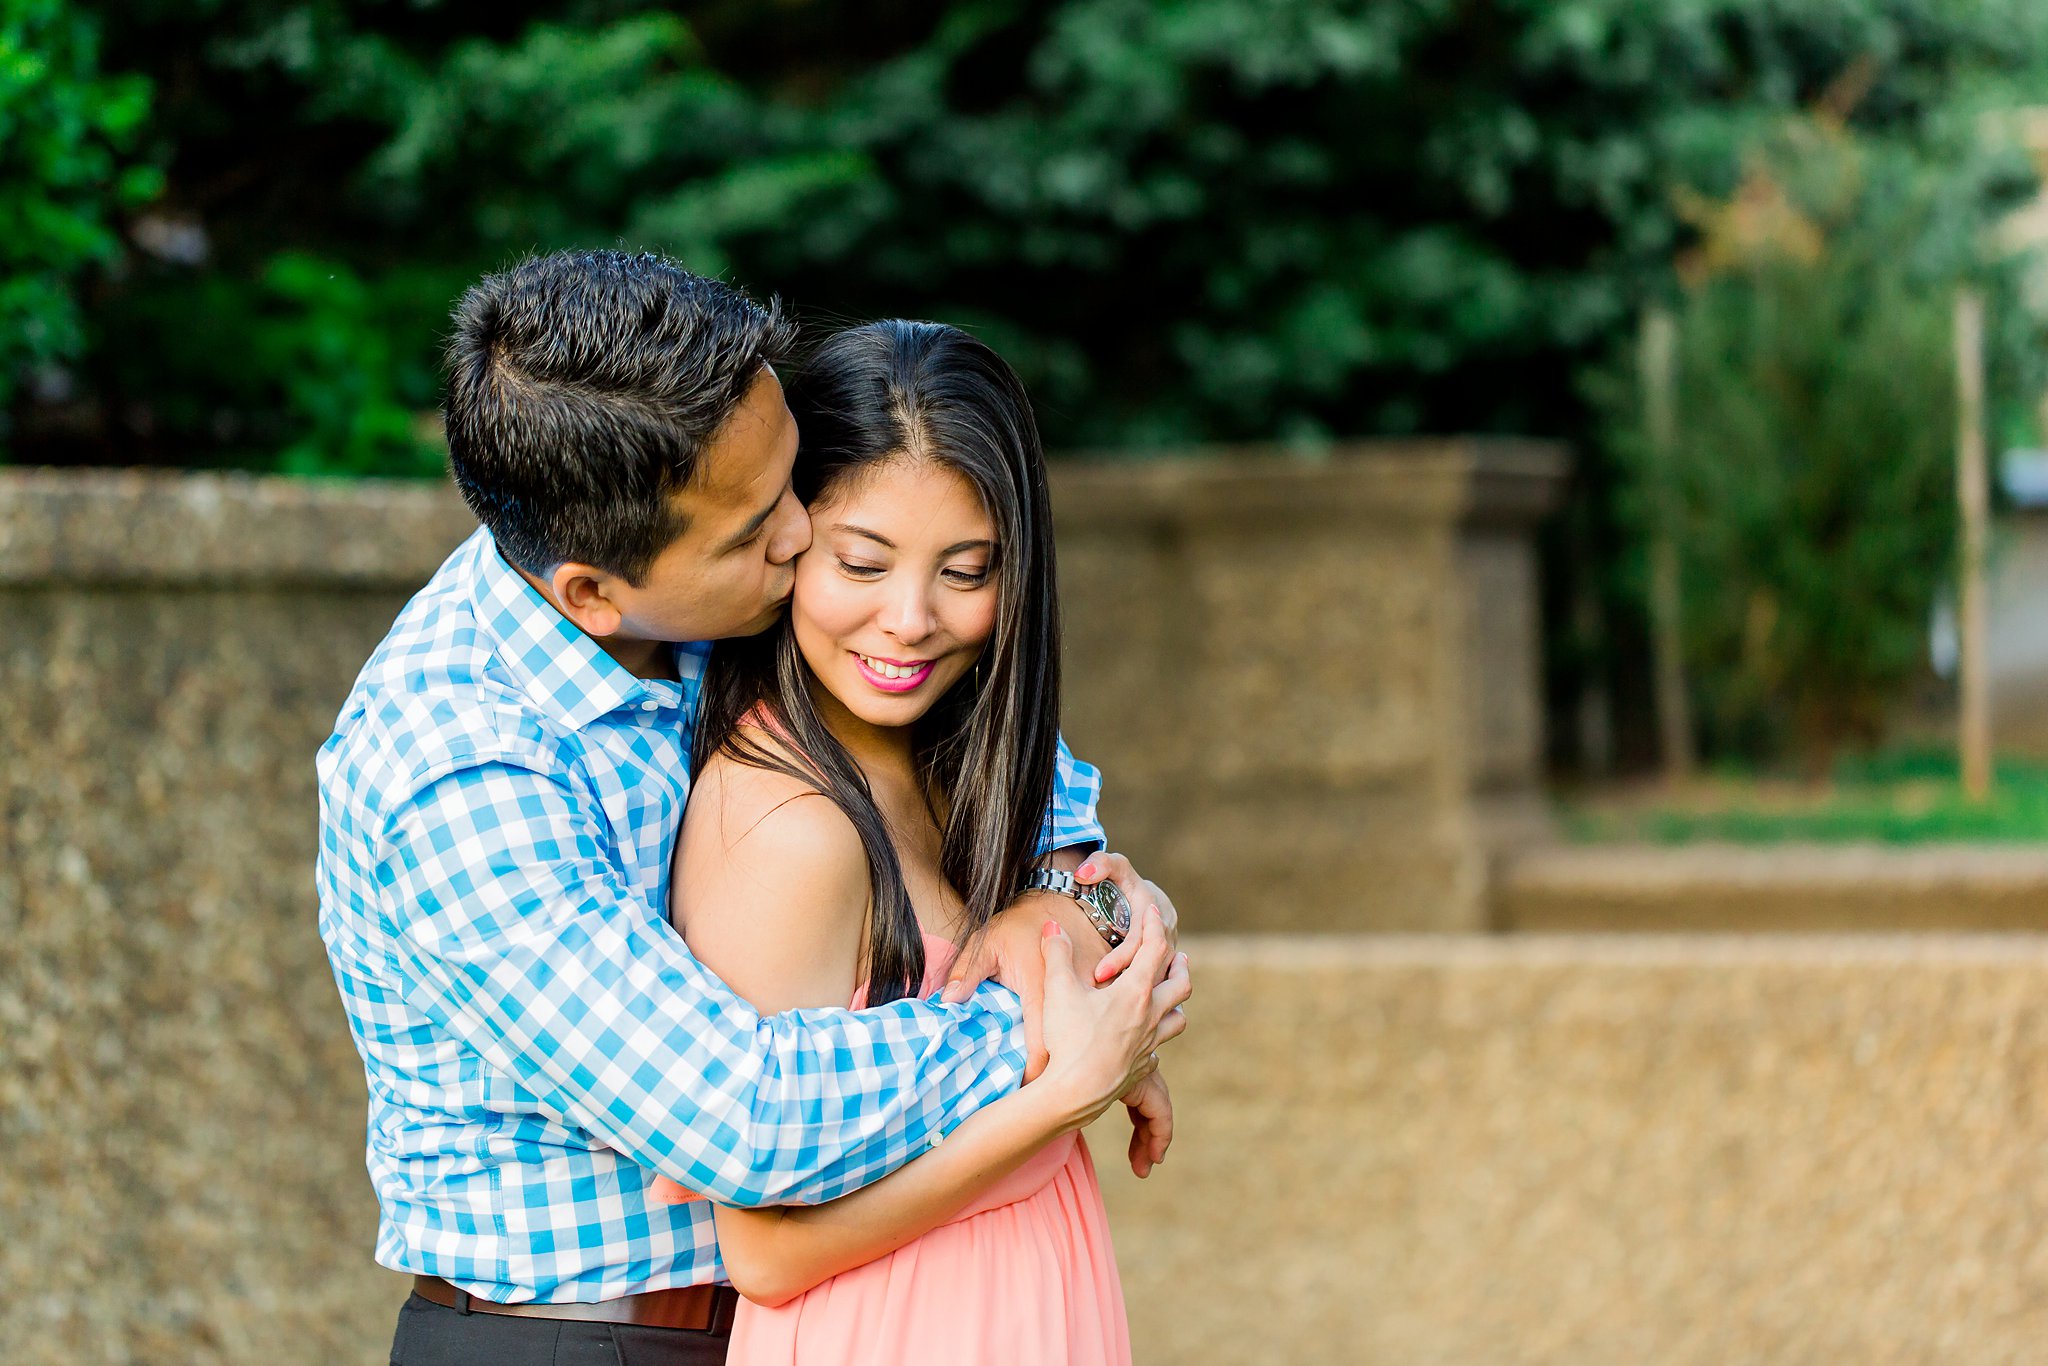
(517, 936)
(1071, 821)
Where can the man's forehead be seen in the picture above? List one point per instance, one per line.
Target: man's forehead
(752, 450)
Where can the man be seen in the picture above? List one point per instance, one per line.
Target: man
(498, 806)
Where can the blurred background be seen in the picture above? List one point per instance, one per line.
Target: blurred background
(236, 229)
(1579, 468)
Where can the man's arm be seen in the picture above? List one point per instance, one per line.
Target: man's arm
(1072, 828)
(1071, 842)
(518, 937)
(775, 1254)
(1007, 949)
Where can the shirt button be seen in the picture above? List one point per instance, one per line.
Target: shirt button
(937, 1138)
(650, 705)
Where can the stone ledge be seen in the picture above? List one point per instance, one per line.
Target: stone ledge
(1742, 888)
(129, 528)
(1458, 480)
(1686, 951)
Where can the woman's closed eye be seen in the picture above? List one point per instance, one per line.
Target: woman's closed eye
(859, 570)
(967, 578)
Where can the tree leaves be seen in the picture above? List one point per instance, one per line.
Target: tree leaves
(64, 130)
(1206, 220)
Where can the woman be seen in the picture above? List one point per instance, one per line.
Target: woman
(872, 781)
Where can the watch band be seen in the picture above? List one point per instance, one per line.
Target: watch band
(1066, 884)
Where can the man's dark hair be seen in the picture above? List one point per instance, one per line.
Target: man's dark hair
(582, 388)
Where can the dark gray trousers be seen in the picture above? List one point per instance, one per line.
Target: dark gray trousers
(433, 1335)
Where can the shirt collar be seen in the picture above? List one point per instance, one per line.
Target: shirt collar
(563, 670)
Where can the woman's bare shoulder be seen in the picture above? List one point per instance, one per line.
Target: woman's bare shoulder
(770, 886)
(740, 809)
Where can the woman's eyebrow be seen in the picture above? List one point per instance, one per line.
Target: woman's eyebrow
(877, 537)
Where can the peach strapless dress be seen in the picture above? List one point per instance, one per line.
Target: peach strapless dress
(1024, 1276)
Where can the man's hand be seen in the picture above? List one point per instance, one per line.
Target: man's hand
(1008, 948)
(1141, 894)
(1105, 1040)
(1151, 1123)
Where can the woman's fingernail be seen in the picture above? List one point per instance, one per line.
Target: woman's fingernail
(1050, 928)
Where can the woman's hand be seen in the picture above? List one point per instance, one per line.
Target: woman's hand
(1102, 1041)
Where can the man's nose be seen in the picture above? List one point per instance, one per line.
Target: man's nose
(792, 534)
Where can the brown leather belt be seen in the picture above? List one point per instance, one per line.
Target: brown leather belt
(705, 1308)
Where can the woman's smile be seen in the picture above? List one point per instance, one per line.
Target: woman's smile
(893, 675)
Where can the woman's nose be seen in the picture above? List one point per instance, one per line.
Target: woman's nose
(907, 615)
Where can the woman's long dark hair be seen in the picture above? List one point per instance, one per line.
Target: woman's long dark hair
(986, 751)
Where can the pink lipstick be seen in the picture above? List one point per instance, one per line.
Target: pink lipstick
(905, 682)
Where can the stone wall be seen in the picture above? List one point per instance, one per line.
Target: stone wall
(180, 1107)
(1269, 657)
(1795, 888)
(1587, 1151)
(1313, 685)
(1452, 1149)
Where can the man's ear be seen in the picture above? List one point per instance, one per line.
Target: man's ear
(584, 594)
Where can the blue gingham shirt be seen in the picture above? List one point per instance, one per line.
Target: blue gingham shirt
(498, 804)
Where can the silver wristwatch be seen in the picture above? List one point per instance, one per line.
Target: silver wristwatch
(1109, 910)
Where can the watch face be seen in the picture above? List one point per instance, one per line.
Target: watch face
(1111, 901)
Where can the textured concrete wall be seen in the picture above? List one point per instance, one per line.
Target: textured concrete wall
(180, 1108)
(1586, 1151)
(1313, 684)
(1443, 1150)
(1267, 660)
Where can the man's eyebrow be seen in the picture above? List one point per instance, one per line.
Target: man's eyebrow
(754, 524)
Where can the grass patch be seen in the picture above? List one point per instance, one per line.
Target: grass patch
(1891, 797)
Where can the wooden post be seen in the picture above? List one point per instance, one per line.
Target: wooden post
(1656, 358)
(1973, 499)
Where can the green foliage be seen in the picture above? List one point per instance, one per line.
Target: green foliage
(1290, 220)
(1810, 487)
(1815, 468)
(63, 130)
(365, 408)
(311, 368)
(1215, 219)
(1893, 797)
